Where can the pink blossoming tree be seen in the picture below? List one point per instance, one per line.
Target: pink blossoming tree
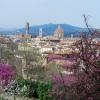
(85, 83)
(7, 74)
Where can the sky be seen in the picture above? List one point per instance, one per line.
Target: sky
(15, 13)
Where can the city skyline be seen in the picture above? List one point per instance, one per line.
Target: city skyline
(15, 13)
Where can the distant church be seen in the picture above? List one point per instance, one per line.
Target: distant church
(59, 33)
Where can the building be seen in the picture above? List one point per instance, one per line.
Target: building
(24, 36)
(59, 33)
(27, 28)
(25, 47)
(46, 49)
(40, 33)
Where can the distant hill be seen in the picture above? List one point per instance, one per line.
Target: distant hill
(48, 29)
(9, 31)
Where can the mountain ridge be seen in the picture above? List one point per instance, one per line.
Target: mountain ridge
(48, 29)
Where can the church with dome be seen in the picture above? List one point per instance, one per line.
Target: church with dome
(59, 32)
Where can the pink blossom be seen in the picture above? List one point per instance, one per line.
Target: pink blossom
(68, 79)
(7, 73)
(67, 64)
(54, 57)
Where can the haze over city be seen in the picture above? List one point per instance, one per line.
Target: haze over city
(15, 13)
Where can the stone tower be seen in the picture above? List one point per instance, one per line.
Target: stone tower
(27, 28)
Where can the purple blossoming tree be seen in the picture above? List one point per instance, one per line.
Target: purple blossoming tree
(7, 74)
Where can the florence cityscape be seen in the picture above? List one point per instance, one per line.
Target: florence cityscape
(49, 50)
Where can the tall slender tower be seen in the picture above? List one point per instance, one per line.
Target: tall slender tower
(40, 32)
(27, 28)
(71, 36)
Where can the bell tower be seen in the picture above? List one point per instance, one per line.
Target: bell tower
(27, 28)
(40, 32)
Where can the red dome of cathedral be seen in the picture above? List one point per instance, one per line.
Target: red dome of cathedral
(59, 32)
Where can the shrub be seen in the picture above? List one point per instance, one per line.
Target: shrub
(1, 98)
(31, 89)
(43, 91)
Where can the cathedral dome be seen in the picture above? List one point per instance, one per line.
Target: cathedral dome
(59, 32)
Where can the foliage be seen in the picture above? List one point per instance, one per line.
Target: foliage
(86, 84)
(36, 72)
(68, 64)
(54, 57)
(31, 89)
(43, 91)
(1, 98)
(7, 74)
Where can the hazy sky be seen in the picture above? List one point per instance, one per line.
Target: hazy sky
(15, 13)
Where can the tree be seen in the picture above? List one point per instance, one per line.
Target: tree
(87, 82)
(7, 74)
(87, 86)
